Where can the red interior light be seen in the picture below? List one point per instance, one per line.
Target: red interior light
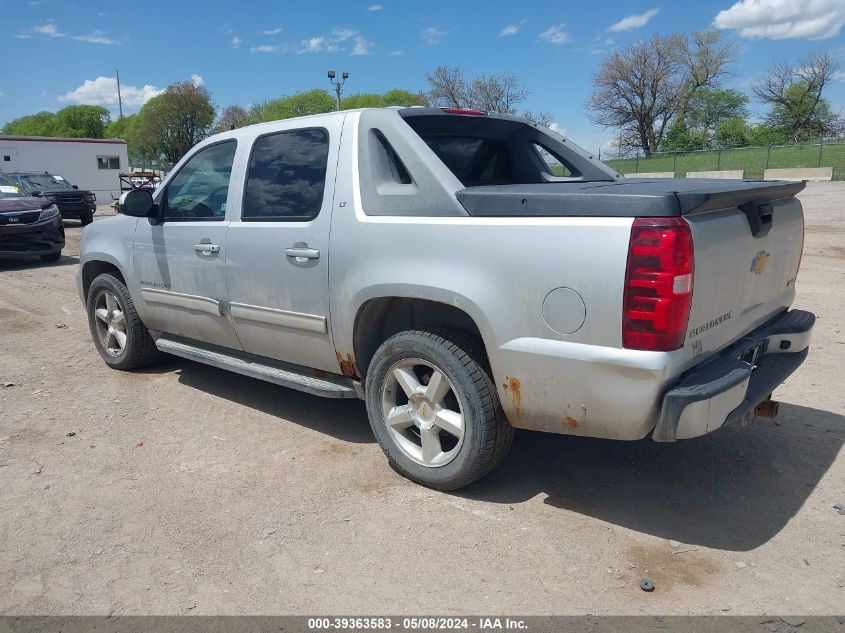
(464, 111)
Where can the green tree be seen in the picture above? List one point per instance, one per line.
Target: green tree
(795, 95)
(82, 121)
(316, 101)
(680, 138)
(40, 124)
(174, 121)
(767, 135)
(733, 132)
(712, 106)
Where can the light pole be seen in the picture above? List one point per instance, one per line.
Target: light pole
(338, 85)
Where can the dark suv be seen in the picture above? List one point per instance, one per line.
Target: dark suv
(28, 225)
(72, 202)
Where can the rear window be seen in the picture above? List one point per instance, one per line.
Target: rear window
(475, 161)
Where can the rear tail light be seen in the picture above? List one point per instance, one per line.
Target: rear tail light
(658, 284)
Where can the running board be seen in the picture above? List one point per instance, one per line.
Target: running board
(284, 374)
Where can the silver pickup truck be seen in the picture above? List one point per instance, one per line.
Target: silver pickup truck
(465, 274)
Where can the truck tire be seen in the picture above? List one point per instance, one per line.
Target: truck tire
(51, 257)
(86, 218)
(434, 409)
(119, 335)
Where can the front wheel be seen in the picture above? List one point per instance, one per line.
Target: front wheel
(51, 257)
(434, 410)
(86, 218)
(119, 335)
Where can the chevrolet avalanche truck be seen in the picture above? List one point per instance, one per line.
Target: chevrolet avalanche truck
(465, 274)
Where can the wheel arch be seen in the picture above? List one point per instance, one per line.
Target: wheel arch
(95, 267)
(379, 318)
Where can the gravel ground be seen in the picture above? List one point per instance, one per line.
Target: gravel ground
(186, 489)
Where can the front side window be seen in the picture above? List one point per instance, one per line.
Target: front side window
(287, 176)
(200, 189)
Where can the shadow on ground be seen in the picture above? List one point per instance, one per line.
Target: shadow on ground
(24, 262)
(344, 419)
(732, 490)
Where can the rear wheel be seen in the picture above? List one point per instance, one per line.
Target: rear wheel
(119, 335)
(51, 257)
(434, 410)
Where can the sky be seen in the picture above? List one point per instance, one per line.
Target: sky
(64, 52)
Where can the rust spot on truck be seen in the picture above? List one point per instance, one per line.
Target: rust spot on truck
(513, 387)
(348, 366)
(571, 422)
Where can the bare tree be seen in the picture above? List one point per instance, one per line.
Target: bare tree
(232, 117)
(705, 61)
(795, 94)
(448, 87)
(640, 89)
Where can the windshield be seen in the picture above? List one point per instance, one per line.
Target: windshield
(8, 189)
(44, 182)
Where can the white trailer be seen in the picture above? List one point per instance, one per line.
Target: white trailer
(90, 163)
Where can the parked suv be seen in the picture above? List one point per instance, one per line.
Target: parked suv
(462, 272)
(71, 201)
(28, 226)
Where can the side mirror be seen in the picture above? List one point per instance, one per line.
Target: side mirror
(75, 186)
(137, 203)
(35, 193)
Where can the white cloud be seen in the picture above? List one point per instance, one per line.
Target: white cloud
(631, 22)
(103, 91)
(97, 37)
(336, 42)
(268, 48)
(23, 36)
(2, 94)
(197, 80)
(554, 127)
(396, 53)
(275, 31)
(49, 30)
(312, 45)
(784, 19)
(362, 47)
(512, 29)
(236, 42)
(433, 35)
(374, 7)
(556, 34)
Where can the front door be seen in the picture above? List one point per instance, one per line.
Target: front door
(181, 261)
(278, 253)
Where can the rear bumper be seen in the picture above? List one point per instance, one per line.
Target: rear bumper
(725, 388)
(39, 238)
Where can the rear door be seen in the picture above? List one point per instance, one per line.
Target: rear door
(278, 253)
(180, 262)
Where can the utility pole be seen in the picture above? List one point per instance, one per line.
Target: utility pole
(338, 85)
(119, 100)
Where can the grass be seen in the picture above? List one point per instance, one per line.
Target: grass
(752, 160)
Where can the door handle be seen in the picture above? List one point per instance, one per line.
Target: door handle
(206, 249)
(301, 251)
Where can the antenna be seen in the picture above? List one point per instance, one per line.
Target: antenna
(119, 100)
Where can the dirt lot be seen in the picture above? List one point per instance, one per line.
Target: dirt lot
(185, 489)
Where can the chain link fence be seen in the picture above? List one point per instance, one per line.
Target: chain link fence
(752, 160)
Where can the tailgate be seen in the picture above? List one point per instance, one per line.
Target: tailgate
(747, 251)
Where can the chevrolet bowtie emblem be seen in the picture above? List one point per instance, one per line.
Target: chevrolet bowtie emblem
(758, 264)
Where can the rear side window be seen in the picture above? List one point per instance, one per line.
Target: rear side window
(553, 163)
(287, 176)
